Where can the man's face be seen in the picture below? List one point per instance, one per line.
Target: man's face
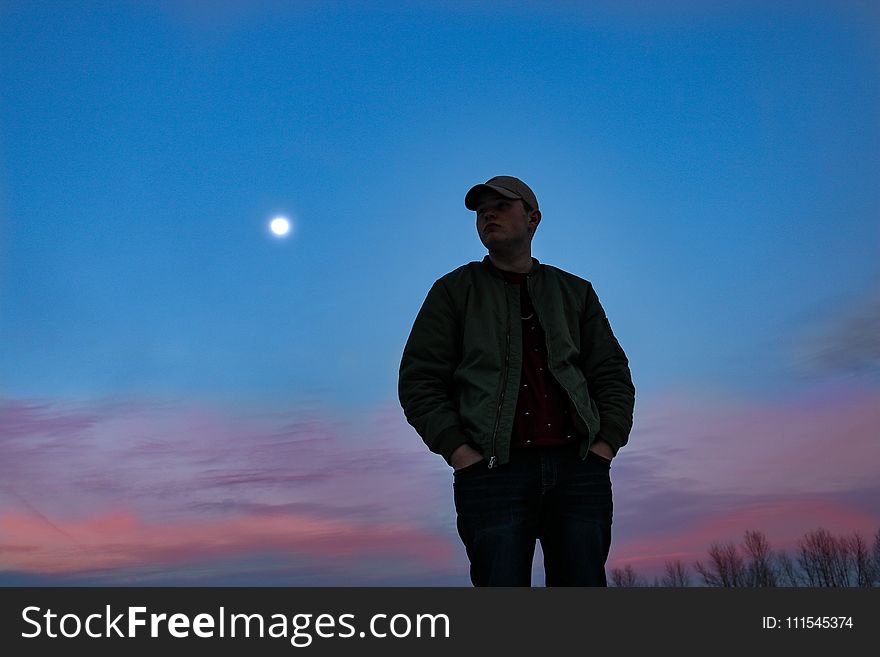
(502, 223)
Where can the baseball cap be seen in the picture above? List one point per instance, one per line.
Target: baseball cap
(506, 186)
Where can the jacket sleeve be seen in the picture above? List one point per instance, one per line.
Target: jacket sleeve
(608, 375)
(425, 384)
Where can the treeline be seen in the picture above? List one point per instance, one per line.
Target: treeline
(820, 559)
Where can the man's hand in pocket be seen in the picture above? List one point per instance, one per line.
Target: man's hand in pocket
(463, 456)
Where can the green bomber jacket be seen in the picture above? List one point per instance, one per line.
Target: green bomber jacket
(460, 371)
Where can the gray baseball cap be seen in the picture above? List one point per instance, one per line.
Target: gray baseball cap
(506, 186)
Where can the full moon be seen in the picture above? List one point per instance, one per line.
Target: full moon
(280, 226)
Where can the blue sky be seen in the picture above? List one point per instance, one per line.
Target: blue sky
(712, 169)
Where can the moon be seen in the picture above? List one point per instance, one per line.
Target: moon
(280, 226)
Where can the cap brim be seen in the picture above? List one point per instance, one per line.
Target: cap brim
(473, 195)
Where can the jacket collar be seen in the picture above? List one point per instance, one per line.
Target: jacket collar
(492, 269)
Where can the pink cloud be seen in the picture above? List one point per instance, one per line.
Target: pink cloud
(166, 459)
(120, 540)
(782, 521)
(23, 418)
(200, 482)
(702, 468)
(824, 441)
(104, 485)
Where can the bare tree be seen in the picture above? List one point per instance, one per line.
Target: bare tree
(626, 576)
(823, 558)
(859, 561)
(789, 575)
(875, 561)
(760, 570)
(725, 568)
(676, 574)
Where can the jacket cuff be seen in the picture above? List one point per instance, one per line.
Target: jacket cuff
(613, 434)
(448, 441)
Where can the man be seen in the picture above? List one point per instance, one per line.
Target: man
(512, 374)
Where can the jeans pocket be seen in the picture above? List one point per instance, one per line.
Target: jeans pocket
(598, 457)
(477, 466)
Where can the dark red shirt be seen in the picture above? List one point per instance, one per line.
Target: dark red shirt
(542, 407)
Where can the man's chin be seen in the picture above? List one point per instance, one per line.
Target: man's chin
(496, 244)
(502, 248)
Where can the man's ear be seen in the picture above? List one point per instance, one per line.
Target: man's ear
(535, 215)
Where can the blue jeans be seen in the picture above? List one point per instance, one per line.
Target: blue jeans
(547, 494)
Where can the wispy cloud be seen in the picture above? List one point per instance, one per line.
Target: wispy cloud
(166, 490)
(102, 485)
(846, 339)
(121, 540)
(700, 469)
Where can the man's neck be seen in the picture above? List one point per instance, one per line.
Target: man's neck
(521, 263)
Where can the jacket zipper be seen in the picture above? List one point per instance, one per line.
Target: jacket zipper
(550, 359)
(492, 459)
